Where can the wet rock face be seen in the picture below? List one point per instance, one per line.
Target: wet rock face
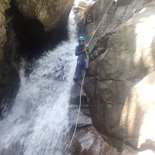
(9, 78)
(81, 8)
(91, 16)
(129, 57)
(47, 12)
(9, 85)
(2, 35)
(88, 142)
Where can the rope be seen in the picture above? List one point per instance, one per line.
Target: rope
(90, 40)
(79, 109)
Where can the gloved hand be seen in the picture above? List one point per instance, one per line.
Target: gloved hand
(86, 49)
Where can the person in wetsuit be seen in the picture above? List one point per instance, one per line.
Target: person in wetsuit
(82, 61)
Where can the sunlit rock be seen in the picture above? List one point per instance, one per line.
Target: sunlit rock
(48, 12)
(129, 151)
(138, 113)
(126, 59)
(81, 8)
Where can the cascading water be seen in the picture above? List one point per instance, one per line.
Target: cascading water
(39, 118)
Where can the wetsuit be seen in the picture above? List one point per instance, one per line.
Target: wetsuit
(82, 62)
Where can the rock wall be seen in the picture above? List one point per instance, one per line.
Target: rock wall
(89, 142)
(48, 12)
(9, 79)
(39, 25)
(3, 38)
(121, 61)
(136, 124)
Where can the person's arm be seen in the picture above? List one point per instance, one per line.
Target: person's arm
(78, 52)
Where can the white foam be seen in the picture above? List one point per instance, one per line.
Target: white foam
(39, 118)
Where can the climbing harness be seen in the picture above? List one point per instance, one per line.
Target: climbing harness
(79, 109)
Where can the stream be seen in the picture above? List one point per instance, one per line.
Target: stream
(38, 121)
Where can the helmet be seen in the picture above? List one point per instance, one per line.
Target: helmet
(81, 38)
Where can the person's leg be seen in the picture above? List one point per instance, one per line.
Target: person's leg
(83, 68)
(86, 64)
(77, 71)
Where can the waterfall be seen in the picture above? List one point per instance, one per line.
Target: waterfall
(38, 121)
